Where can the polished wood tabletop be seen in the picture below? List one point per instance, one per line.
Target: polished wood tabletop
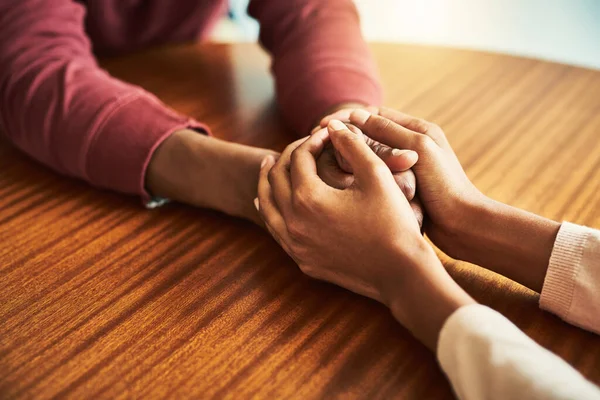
(100, 298)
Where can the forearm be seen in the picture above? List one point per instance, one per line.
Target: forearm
(507, 240)
(207, 172)
(423, 303)
(320, 59)
(59, 107)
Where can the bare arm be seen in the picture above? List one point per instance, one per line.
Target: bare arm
(507, 240)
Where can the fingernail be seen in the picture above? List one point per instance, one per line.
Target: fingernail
(398, 152)
(264, 161)
(321, 131)
(409, 155)
(256, 204)
(359, 115)
(337, 125)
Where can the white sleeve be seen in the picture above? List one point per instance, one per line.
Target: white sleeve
(486, 356)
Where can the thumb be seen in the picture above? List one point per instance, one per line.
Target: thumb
(367, 167)
(342, 163)
(385, 131)
(398, 160)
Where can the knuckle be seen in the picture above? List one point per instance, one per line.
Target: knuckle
(406, 185)
(420, 125)
(304, 199)
(382, 124)
(380, 171)
(418, 212)
(433, 127)
(379, 149)
(308, 270)
(425, 143)
(292, 147)
(437, 133)
(408, 190)
(296, 143)
(271, 176)
(354, 129)
(294, 156)
(295, 229)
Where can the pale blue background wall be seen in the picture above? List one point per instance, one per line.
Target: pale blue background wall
(560, 30)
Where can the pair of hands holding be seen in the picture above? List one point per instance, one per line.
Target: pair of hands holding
(365, 236)
(336, 172)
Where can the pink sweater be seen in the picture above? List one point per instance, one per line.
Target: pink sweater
(58, 106)
(572, 285)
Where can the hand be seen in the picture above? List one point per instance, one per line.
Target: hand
(207, 172)
(445, 190)
(340, 112)
(364, 238)
(336, 172)
(339, 175)
(463, 222)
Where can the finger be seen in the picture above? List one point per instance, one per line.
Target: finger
(342, 115)
(418, 125)
(385, 131)
(397, 160)
(280, 179)
(343, 164)
(284, 245)
(355, 130)
(303, 160)
(265, 203)
(408, 121)
(368, 168)
(407, 182)
(417, 209)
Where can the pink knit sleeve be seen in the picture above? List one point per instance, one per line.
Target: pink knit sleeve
(320, 59)
(59, 107)
(572, 286)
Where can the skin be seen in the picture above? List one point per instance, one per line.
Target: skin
(405, 178)
(463, 222)
(393, 263)
(207, 172)
(336, 172)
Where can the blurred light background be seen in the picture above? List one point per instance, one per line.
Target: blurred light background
(566, 31)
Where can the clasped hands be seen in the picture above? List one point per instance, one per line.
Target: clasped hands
(364, 234)
(334, 170)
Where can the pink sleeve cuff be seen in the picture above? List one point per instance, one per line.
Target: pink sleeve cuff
(559, 284)
(572, 285)
(121, 149)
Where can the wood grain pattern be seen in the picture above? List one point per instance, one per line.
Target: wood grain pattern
(100, 298)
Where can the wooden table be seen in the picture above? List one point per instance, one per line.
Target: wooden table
(100, 298)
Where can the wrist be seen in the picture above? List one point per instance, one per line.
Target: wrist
(467, 222)
(160, 179)
(467, 212)
(207, 172)
(507, 240)
(423, 303)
